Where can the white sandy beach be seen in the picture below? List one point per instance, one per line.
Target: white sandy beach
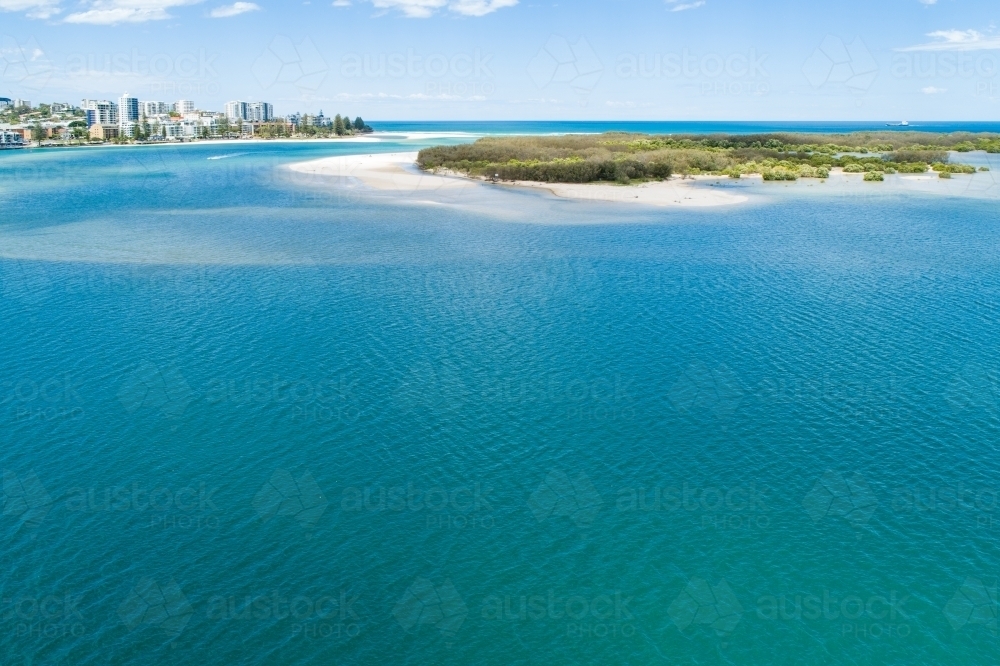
(398, 172)
(387, 172)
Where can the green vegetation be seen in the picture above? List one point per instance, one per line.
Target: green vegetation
(624, 158)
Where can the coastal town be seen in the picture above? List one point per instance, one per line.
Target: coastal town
(131, 120)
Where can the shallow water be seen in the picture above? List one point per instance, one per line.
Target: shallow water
(261, 420)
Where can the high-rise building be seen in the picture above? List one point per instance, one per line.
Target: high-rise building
(5, 102)
(154, 108)
(128, 109)
(183, 106)
(100, 112)
(260, 112)
(236, 110)
(255, 112)
(18, 103)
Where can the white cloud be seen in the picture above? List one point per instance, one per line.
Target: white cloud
(679, 6)
(928, 2)
(931, 90)
(41, 9)
(110, 12)
(957, 40)
(234, 9)
(479, 7)
(427, 8)
(341, 3)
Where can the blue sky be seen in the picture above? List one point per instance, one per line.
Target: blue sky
(518, 59)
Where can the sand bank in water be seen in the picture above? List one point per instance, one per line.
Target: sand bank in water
(398, 172)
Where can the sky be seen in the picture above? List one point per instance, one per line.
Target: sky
(517, 59)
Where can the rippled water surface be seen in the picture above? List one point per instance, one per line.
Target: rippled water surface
(251, 419)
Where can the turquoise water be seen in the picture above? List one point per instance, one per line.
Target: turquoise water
(254, 419)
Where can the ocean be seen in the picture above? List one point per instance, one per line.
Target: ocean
(252, 419)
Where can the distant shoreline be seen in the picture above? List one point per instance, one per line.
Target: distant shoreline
(374, 137)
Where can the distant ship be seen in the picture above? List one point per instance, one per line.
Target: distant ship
(905, 123)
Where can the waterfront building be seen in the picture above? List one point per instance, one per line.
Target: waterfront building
(255, 112)
(150, 109)
(236, 111)
(104, 132)
(172, 130)
(259, 112)
(5, 102)
(184, 106)
(11, 139)
(100, 112)
(128, 109)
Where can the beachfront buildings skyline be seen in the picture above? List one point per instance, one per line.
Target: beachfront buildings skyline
(132, 118)
(253, 112)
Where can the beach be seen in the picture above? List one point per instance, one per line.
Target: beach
(398, 172)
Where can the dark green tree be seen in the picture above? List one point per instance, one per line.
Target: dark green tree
(359, 124)
(37, 132)
(347, 123)
(338, 125)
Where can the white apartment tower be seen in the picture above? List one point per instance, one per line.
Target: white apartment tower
(100, 112)
(254, 112)
(183, 106)
(128, 109)
(260, 112)
(150, 109)
(236, 110)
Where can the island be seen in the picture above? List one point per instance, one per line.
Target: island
(625, 158)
